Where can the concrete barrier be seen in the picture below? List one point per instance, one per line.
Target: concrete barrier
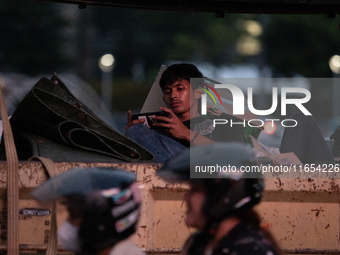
(303, 214)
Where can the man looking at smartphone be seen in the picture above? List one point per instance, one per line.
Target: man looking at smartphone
(185, 126)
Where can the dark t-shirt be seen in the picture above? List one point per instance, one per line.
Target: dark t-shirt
(244, 239)
(221, 132)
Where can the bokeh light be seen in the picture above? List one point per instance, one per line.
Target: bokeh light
(270, 127)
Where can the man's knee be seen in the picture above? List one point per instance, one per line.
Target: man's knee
(136, 130)
(137, 127)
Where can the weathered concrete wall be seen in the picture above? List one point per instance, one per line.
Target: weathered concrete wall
(303, 214)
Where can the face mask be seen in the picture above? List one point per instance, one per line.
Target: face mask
(68, 237)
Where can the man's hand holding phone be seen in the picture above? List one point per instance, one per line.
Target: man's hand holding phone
(131, 122)
(148, 118)
(172, 125)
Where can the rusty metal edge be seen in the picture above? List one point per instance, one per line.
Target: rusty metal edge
(260, 7)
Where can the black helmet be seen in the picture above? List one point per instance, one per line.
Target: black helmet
(227, 192)
(109, 199)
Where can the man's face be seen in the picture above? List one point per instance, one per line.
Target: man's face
(179, 97)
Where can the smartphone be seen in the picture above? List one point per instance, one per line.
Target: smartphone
(148, 116)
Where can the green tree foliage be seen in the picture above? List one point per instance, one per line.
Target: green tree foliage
(157, 36)
(301, 44)
(30, 37)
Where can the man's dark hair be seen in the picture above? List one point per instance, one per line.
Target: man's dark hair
(179, 72)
